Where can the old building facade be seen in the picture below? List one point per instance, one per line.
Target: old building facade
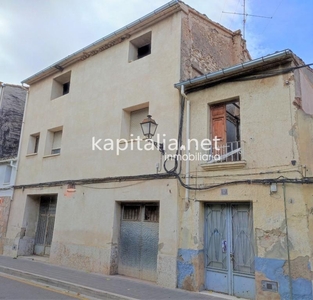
(246, 222)
(87, 193)
(12, 102)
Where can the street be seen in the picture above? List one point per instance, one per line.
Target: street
(18, 289)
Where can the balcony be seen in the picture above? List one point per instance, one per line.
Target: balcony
(225, 156)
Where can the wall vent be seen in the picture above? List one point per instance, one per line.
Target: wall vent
(270, 286)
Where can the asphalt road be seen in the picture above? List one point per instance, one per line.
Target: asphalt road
(18, 289)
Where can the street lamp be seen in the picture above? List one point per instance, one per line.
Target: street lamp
(148, 127)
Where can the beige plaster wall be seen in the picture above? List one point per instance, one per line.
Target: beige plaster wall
(87, 224)
(101, 87)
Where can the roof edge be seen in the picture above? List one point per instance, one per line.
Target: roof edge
(175, 5)
(226, 72)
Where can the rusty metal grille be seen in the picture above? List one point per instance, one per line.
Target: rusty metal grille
(131, 213)
(41, 230)
(152, 213)
(46, 220)
(50, 230)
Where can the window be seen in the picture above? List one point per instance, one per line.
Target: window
(132, 117)
(7, 175)
(33, 144)
(53, 141)
(225, 126)
(61, 85)
(56, 143)
(140, 47)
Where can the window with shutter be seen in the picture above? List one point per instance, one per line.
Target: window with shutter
(225, 126)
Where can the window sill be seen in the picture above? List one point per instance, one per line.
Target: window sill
(31, 154)
(224, 165)
(51, 155)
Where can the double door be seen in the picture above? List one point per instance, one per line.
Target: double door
(229, 249)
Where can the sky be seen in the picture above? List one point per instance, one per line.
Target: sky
(35, 34)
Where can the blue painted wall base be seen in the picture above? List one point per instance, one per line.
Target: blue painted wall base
(273, 270)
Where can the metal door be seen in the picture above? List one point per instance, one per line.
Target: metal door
(45, 225)
(139, 239)
(230, 249)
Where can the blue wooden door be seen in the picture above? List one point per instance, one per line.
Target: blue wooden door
(229, 249)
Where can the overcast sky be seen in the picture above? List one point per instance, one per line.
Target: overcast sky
(36, 33)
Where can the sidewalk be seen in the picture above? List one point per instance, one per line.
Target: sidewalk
(95, 285)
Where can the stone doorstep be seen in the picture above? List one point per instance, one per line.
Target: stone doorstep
(64, 285)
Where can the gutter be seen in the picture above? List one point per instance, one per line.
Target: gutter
(76, 55)
(227, 72)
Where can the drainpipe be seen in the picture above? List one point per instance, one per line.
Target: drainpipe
(182, 92)
(287, 242)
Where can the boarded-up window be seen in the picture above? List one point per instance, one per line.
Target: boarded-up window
(136, 117)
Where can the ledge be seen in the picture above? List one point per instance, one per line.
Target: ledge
(51, 155)
(224, 165)
(31, 154)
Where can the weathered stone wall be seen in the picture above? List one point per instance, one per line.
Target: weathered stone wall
(12, 104)
(207, 46)
(5, 203)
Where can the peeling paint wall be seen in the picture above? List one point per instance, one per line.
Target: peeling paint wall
(190, 268)
(276, 140)
(207, 46)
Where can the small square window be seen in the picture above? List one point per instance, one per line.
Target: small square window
(140, 47)
(61, 85)
(33, 143)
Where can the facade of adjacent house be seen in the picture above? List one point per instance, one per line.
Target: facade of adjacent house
(87, 193)
(12, 102)
(247, 216)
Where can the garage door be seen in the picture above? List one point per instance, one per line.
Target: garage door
(139, 238)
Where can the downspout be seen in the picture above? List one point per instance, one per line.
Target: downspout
(182, 92)
(287, 243)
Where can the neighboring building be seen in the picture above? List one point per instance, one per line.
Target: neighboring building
(247, 223)
(12, 102)
(98, 210)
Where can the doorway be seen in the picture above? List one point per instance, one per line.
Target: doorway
(229, 249)
(45, 225)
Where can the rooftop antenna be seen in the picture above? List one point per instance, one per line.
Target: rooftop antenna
(245, 15)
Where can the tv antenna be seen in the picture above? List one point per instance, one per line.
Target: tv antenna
(245, 15)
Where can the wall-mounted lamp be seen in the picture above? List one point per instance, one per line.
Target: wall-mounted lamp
(71, 187)
(148, 127)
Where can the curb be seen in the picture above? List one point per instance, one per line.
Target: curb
(69, 286)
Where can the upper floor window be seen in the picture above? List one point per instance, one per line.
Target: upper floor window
(132, 117)
(225, 126)
(139, 47)
(56, 143)
(53, 141)
(33, 143)
(61, 85)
